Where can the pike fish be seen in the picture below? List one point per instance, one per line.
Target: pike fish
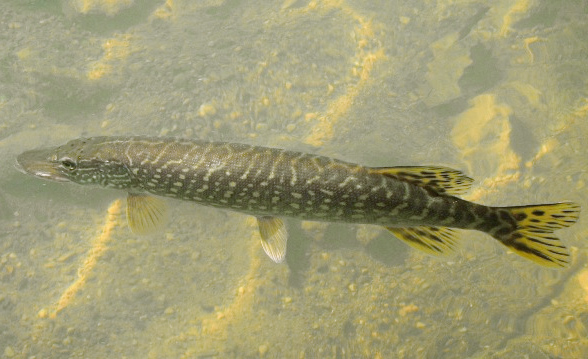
(418, 204)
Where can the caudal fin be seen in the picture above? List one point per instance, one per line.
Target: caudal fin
(533, 237)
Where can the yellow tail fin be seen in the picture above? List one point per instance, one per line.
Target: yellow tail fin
(533, 238)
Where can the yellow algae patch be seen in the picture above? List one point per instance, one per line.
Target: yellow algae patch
(548, 146)
(98, 70)
(316, 230)
(513, 13)
(582, 111)
(531, 93)
(115, 49)
(207, 109)
(108, 7)
(98, 248)
(165, 11)
(24, 53)
(528, 41)
(323, 130)
(444, 71)
(365, 234)
(364, 60)
(215, 325)
(583, 280)
(406, 309)
(577, 115)
(482, 134)
(534, 97)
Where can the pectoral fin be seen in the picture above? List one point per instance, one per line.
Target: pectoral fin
(145, 214)
(273, 237)
(433, 240)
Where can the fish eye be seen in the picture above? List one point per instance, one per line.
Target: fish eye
(68, 164)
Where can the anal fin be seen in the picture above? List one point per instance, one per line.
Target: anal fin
(274, 237)
(145, 213)
(433, 240)
(440, 179)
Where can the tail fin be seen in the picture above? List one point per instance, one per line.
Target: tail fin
(533, 237)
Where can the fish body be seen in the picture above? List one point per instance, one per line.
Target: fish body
(417, 204)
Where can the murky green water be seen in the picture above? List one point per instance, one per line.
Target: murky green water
(498, 91)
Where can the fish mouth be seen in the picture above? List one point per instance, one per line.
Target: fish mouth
(38, 163)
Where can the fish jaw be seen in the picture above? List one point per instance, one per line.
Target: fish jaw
(42, 164)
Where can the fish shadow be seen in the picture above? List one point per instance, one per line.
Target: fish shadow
(387, 249)
(384, 248)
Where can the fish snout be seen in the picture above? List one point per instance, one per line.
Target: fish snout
(38, 163)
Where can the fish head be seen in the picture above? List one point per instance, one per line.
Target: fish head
(83, 161)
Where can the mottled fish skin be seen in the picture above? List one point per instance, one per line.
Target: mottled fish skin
(268, 182)
(264, 181)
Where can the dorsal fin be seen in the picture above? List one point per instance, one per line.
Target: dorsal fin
(440, 179)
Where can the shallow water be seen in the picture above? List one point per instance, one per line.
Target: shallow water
(496, 91)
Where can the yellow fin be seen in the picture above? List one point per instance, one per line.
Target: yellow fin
(273, 237)
(145, 214)
(440, 179)
(433, 240)
(533, 238)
